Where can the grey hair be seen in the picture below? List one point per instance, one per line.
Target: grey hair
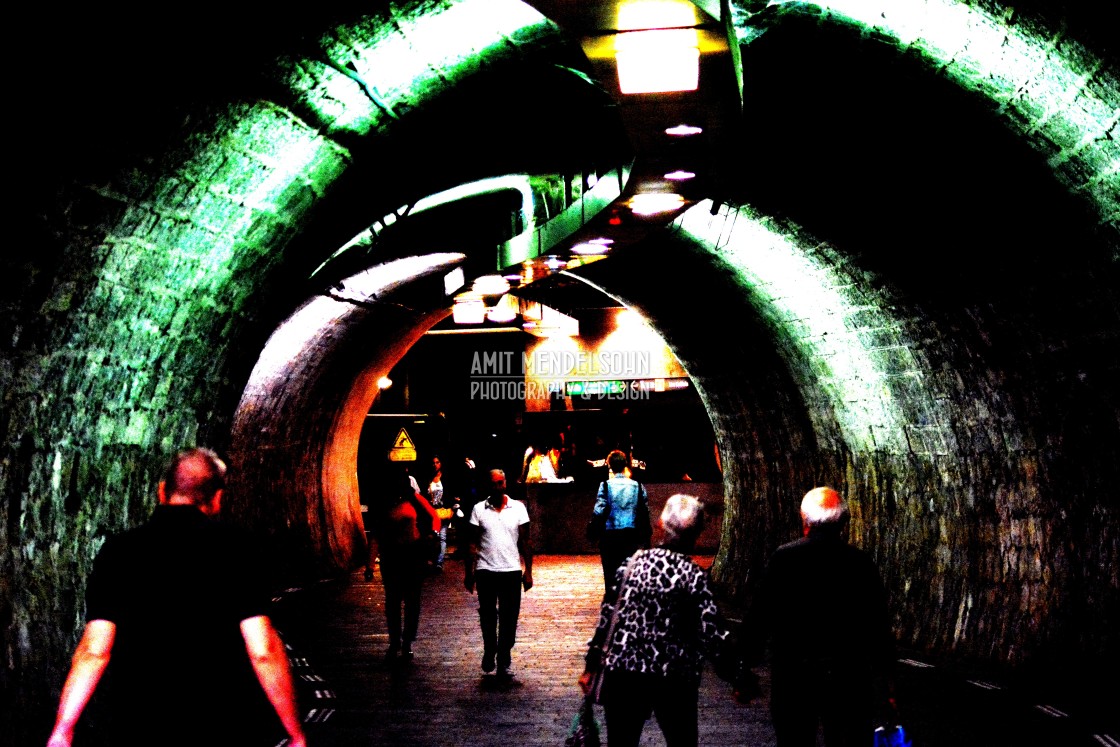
(823, 507)
(682, 518)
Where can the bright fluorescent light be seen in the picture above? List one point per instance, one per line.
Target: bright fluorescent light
(505, 310)
(453, 281)
(659, 61)
(652, 203)
(680, 176)
(589, 248)
(683, 130)
(490, 285)
(469, 311)
(658, 49)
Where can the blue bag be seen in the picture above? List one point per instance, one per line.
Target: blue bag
(892, 737)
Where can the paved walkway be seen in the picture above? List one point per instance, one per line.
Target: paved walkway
(352, 696)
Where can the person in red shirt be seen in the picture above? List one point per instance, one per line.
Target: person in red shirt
(405, 517)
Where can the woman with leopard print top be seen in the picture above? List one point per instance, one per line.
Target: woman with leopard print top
(667, 624)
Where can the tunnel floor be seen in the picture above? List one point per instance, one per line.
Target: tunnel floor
(350, 695)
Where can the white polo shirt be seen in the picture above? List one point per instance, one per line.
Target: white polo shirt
(500, 530)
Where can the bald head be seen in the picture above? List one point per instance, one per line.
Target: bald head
(195, 476)
(823, 507)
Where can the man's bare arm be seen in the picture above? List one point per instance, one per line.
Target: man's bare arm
(525, 547)
(88, 664)
(470, 563)
(270, 662)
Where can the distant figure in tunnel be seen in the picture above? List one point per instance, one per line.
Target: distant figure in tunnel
(177, 623)
(404, 516)
(822, 607)
(658, 622)
(620, 515)
(444, 501)
(501, 563)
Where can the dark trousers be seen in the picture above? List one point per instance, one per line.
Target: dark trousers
(631, 698)
(499, 606)
(836, 697)
(403, 576)
(615, 547)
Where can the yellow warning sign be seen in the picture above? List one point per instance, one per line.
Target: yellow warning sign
(403, 450)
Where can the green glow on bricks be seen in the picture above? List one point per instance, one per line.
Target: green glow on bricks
(372, 72)
(259, 169)
(1034, 82)
(817, 314)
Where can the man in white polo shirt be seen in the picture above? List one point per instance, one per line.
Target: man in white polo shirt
(501, 561)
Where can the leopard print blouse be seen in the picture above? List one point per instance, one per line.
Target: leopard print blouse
(668, 620)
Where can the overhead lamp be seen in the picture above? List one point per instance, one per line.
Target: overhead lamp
(505, 310)
(469, 310)
(453, 281)
(657, 49)
(550, 323)
(590, 248)
(490, 285)
(680, 175)
(384, 383)
(683, 130)
(655, 203)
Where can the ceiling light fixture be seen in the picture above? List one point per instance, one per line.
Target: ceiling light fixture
(655, 203)
(490, 285)
(680, 176)
(683, 130)
(590, 248)
(468, 310)
(505, 310)
(658, 47)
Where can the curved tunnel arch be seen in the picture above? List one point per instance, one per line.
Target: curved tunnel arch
(183, 248)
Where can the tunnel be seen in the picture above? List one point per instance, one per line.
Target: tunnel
(901, 281)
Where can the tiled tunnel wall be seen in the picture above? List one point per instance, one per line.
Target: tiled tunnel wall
(142, 297)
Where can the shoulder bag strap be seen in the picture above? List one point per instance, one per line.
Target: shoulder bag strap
(596, 692)
(617, 605)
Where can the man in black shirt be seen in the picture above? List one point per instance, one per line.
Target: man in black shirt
(177, 622)
(823, 609)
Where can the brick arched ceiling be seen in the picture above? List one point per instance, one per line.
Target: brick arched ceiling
(914, 279)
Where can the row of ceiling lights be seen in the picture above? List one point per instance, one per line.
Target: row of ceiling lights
(655, 52)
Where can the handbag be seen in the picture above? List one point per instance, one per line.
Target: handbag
(595, 692)
(585, 731)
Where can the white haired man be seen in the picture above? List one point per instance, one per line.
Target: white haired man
(822, 607)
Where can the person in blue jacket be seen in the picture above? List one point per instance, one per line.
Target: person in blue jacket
(623, 503)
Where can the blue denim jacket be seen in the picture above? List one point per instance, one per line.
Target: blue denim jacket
(627, 497)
